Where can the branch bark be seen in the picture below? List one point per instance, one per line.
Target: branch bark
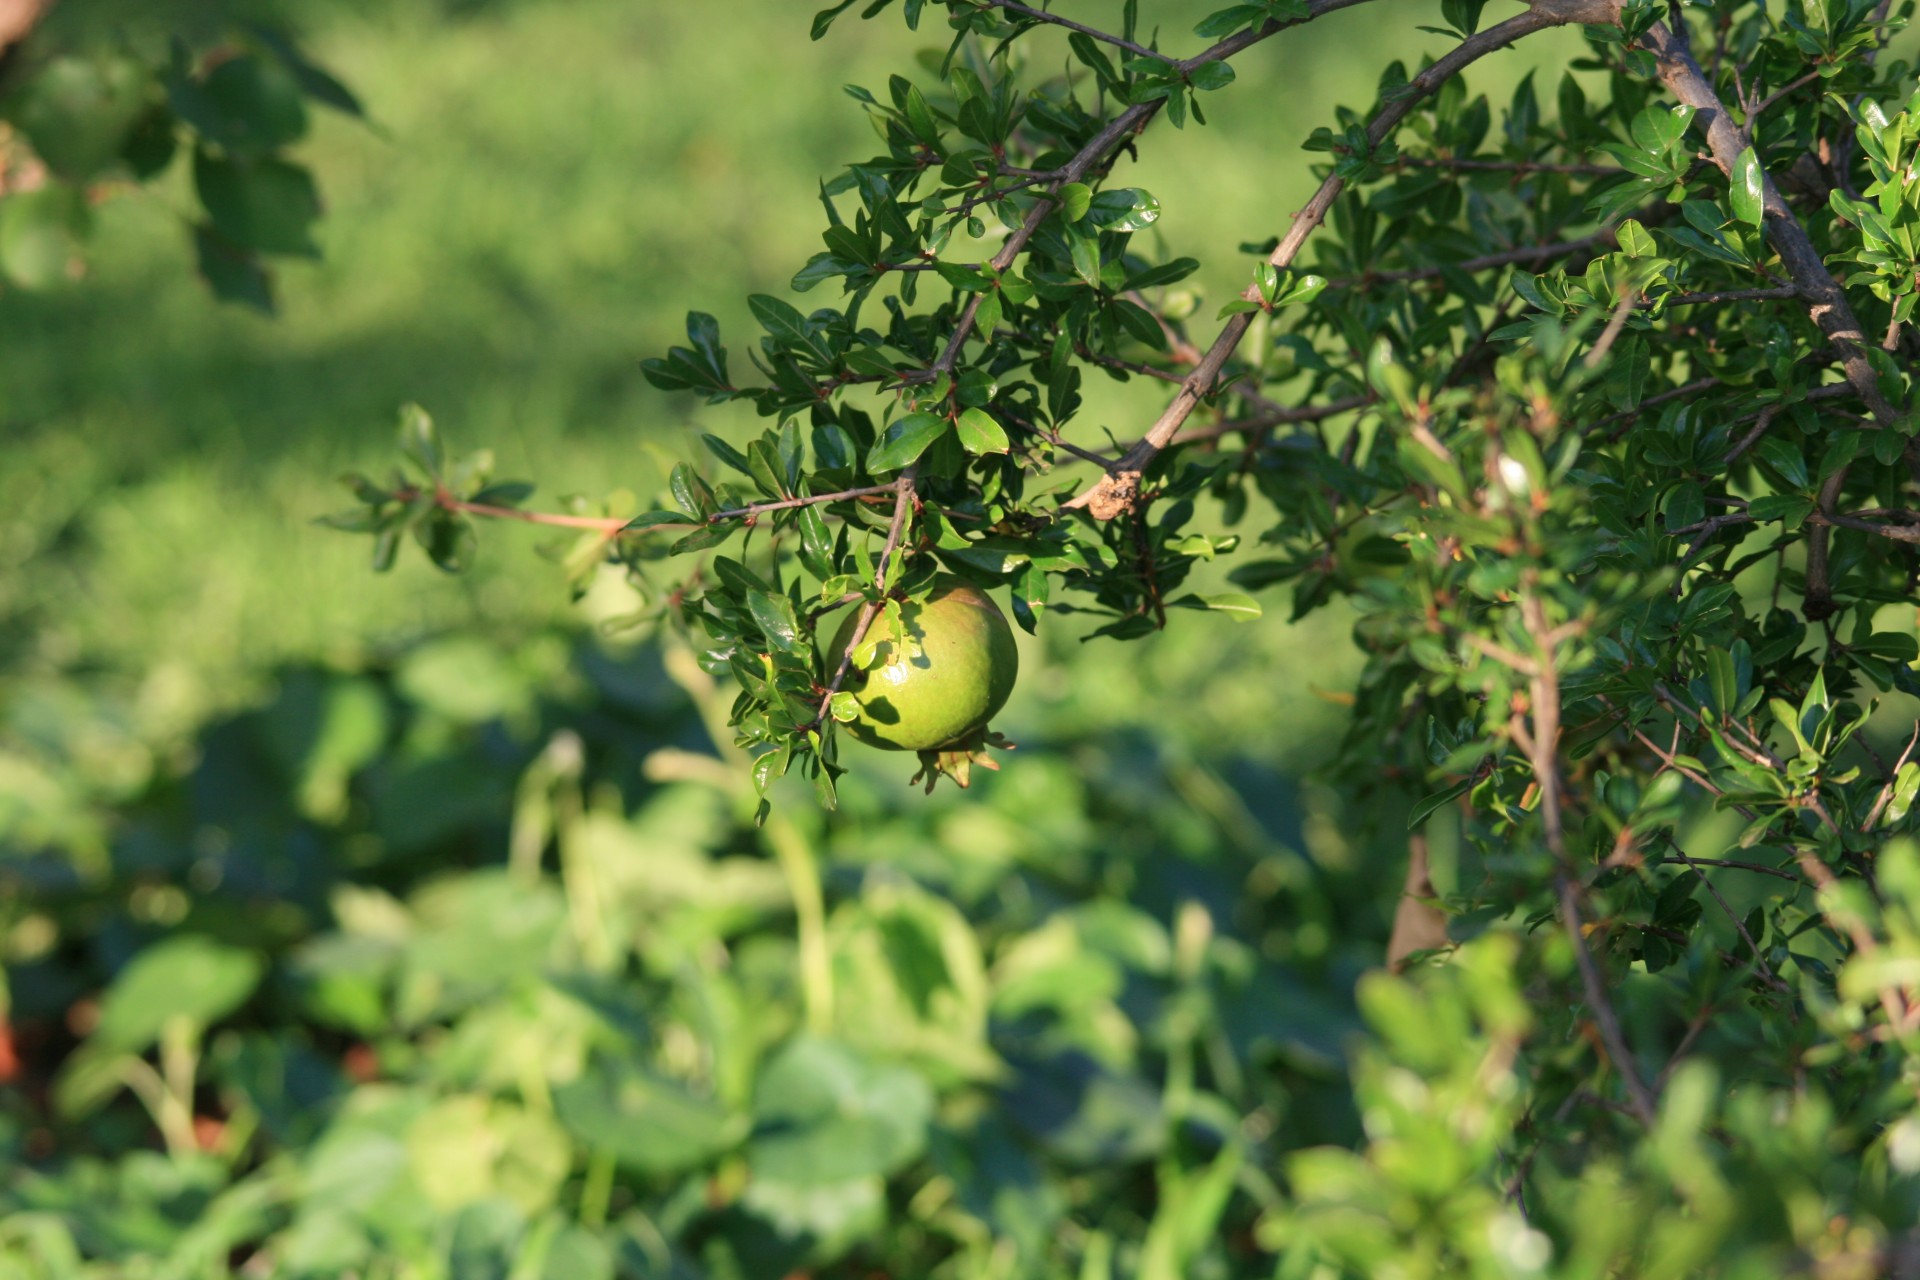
(1118, 491)
(1826, 301)
(1543, 744)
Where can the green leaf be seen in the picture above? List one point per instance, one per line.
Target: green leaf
(190, 977)
(1786, 507)
(314, 80)
(419, 441)
(1085, 252)
(233, 274)
(823, 1115)
(821, 266)
(774, 614)
(824, 19)
(964, 276)
(1236, 605)
(987, 318)
(656, 520)
(1906, 785)
(268, 205)
(784, 322)
(1124, 209)
(1165, 273)
(691, 492)
(1211, 75)
(78, 112)
(647, 1124)
(1074, 198)
(448, 539)
(1428, 805)
(259, 104)
(1748, 188)
(1301, 290)
(1635, 240)
(905, 441)
(1389, 375)
(979, 433)
(1788, 458)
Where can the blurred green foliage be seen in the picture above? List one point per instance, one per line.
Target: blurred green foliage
(622, 1048)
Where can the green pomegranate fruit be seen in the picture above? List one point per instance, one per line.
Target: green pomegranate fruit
(942, 695)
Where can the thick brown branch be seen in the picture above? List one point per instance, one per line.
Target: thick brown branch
(1118, 490)
(1857, 520)
(1826, 301)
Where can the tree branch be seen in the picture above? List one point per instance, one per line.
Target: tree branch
(608, 525)
(1544, 700)
(787, 504)
(1118, 491)
(1278, 417)
(1603, 238)
(1128, 122)
(903, 489)
(1041, 15)
(1722, 295)
(1826, 301)
(1455, 164)
(1857, 520)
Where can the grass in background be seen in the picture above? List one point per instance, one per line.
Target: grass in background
(547, 190)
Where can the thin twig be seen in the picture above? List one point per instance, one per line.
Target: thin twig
(1642, 1100)
(1486, 262)
(608, 525)
(1765, 420)
(1507, 166)
(1140, 367)
(1754, 867)
(1276, 418)
(1722, 295)
(1895, 532)
(1054, 438)
(1041, 15)
(1892, 780)
(787, 504)
(1611, 333)
(1760, 107)
(1544, 700)
(903, 489)
(1759, 961)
